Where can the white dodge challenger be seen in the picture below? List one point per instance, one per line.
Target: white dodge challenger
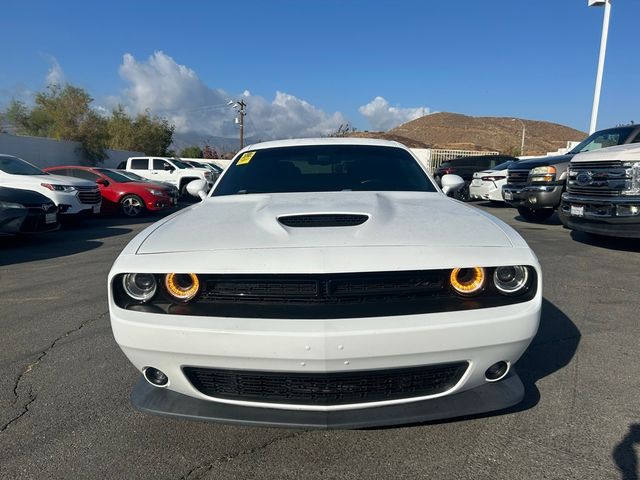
(326, 283)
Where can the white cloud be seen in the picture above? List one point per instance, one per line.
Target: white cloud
(167, 88)
(55, 74)
(382, 116)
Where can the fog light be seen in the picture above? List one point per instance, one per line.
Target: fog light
(497, 371)
(627, 210)
(155, 377)
(533, 200)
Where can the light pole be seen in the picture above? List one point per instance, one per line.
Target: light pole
(239, 106)
(603, 51)
(524, 133)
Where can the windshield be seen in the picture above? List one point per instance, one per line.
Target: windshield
(324, 168)
(604, 139)
(503, 166)
(133, 176)
(17, 166)
(115, 176)
(180, 164)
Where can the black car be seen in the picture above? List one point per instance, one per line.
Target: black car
(465, 167)
(25, 211)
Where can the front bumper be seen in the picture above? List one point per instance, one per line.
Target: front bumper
(157, 203)
(488, 397)
(480, 337)
(487, 191)
(601, 216)
(534, 197)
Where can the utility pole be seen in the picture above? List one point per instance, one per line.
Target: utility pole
(241, 113)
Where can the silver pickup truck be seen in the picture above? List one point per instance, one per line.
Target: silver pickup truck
(603, 192)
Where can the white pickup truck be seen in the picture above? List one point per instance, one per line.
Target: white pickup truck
(170, 170)
(603, 192)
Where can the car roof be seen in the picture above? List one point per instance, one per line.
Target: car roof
(304, 142)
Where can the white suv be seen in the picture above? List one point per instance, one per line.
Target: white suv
(71, 195)
(170, 170)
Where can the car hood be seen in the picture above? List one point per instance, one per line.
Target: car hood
(395, 219)
(621, 152)
(541, 162)
(49, 178)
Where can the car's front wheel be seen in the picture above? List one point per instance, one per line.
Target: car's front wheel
(132, 206)
(535, 215)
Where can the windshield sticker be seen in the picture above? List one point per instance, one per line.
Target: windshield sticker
(245, 158)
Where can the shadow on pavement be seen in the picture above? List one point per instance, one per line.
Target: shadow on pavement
(552, 348)
(610, 243)
(625, 456)
(67, 241)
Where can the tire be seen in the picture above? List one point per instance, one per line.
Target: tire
(463, 194)
(533, 215)
(132, 206)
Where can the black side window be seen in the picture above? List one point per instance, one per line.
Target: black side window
(159, 164)
(122, 166)
(140, 164)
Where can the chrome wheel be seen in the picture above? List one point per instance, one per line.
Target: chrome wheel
(132, 206)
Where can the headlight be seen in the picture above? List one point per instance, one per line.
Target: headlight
(157, 193)
(139, 286)
(633, 172)
(11, 205)
(512, 279)
(59, 188)
(467, 281)
(182, 286)
(542, 174)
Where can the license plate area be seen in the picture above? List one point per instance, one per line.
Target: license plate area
(96, 209)
(577, 211)
(508, 195)
(50, 218)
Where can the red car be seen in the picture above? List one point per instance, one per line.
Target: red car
(119, 193)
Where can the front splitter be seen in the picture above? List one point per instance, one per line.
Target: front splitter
(486, 398)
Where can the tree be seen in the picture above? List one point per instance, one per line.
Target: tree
(209, 153)
(152, 135)
(344, 130)
(192, 152)
(63, 113)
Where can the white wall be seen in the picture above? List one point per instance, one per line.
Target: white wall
(48, 152)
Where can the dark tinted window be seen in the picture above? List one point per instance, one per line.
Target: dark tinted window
(140, 164)
(159, 164)
(115, 176)
(84, 174)
(17, 166)
(604, 139)
(324, 168)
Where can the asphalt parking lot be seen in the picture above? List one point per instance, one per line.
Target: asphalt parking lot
(64, 383)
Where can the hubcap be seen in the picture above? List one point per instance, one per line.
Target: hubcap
(131, 207)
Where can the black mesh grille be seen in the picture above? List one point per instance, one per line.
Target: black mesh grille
(603, 164)
(335, 388)
(323, 220)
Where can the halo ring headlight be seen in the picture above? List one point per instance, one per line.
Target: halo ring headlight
(182, 286)
(468, 281)
(510, 280)
(140, 286)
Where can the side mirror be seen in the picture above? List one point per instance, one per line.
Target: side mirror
(103, 181)
(168, 167)
(197, 188)
(451, 183)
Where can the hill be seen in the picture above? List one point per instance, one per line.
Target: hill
(503, 134)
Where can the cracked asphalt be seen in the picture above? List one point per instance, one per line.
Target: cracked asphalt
(64, 384)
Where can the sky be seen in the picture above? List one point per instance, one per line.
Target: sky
(305, 67)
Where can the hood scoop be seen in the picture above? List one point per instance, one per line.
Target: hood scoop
(323, 220)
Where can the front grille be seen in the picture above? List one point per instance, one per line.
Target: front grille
(90, 195)
(517, 177)
(598, 179)
(335, 388)
(323, 220)
(327, 289)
